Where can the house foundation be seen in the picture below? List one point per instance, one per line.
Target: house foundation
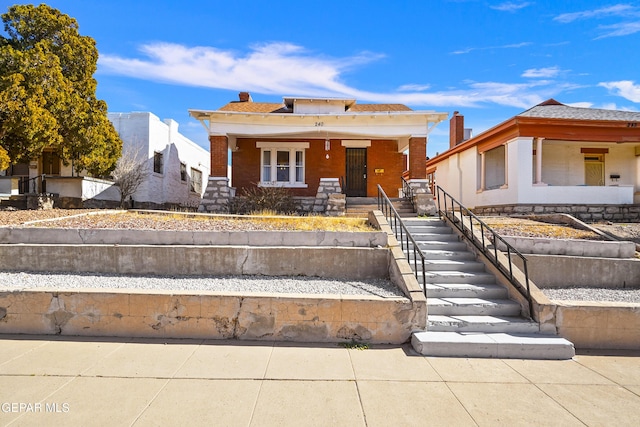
(586, 213)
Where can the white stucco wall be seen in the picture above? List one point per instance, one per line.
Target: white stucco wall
(562, 171)
(149, 134)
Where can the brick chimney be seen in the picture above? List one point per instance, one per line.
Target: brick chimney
(245, 97)
(456, 129)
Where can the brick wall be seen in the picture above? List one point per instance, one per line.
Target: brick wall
(219, 155)
(383, 154)
(417, 158)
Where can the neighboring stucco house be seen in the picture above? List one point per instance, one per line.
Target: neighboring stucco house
(176, 166)
(314, 146)
(550, 158)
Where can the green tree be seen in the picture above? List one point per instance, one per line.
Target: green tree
(47, 92)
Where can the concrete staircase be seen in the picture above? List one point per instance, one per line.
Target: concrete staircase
(469, 313)
(359, 207)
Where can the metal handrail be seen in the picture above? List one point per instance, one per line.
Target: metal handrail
(402, 234)
(407, 192)
(25, 183)
(459, 215)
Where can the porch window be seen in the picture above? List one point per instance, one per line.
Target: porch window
(495, 168)
(282, 164)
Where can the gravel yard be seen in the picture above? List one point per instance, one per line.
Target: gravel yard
(13, 281)
(92, 219)
(594, 294)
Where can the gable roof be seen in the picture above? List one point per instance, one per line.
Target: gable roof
(279, 107)
(552, 109)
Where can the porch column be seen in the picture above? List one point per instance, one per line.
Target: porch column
(418, 157)
(538, 142)
(219, 150)
(483, 171)
(506, 166)
(217, 194)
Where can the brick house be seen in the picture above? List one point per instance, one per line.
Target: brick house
(314, 146)
(551, 158)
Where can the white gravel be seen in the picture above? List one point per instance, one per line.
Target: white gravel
(630, 295)
(14, 281)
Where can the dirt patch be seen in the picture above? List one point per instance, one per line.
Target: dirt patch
(621, 231)
(521, 227)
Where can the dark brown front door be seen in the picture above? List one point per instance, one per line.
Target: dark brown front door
(356, 173)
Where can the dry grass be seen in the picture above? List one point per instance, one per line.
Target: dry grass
(178, 221)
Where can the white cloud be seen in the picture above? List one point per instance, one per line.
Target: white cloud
(287, 69)
(537, 73)
(510, 6)
(413, 87)
(624, 88)
(616, 10)
(506, 46)
(622, 29)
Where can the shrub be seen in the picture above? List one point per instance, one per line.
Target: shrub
(263, 199)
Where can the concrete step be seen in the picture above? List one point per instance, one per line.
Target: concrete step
(429, 237)
(498, 345)
(454, 276)
(435, 229)
(472, 307)
(466, 290)
(441, 244)
(449, 265)
(493, 324)
(441, 254)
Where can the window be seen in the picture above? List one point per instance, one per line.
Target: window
(157, 162)
(282, 163)
(196, 181)
(183, 171)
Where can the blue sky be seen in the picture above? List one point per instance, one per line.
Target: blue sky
(489, 60)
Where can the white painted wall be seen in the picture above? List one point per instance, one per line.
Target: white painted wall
(562, 171)
(145, 131)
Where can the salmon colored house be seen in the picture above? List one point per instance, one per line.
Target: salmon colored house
(314, 147)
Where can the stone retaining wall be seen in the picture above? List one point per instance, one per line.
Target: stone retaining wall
(588, 213)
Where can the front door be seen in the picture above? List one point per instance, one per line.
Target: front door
(50, 163)
(356, 173)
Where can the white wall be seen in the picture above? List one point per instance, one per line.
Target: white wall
(150, 134)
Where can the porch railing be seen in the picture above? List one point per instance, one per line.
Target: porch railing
(37, 184)
(463, 219)
(403, 236)
(407, 192)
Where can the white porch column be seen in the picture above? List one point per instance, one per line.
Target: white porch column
(538, 142)
(483, 172)
(506, 166)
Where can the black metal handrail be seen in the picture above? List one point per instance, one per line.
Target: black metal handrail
(463, 219)
(31, 185)
(402, 234)
(407, 192)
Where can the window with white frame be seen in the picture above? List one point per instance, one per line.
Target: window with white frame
(282, 163)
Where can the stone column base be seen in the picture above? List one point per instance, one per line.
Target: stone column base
(217, 195)
(422, 197)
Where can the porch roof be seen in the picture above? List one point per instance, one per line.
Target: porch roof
(553, 120)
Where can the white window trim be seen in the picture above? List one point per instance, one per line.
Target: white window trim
(292, 148)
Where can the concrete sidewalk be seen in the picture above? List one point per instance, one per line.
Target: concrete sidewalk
(120, 382)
